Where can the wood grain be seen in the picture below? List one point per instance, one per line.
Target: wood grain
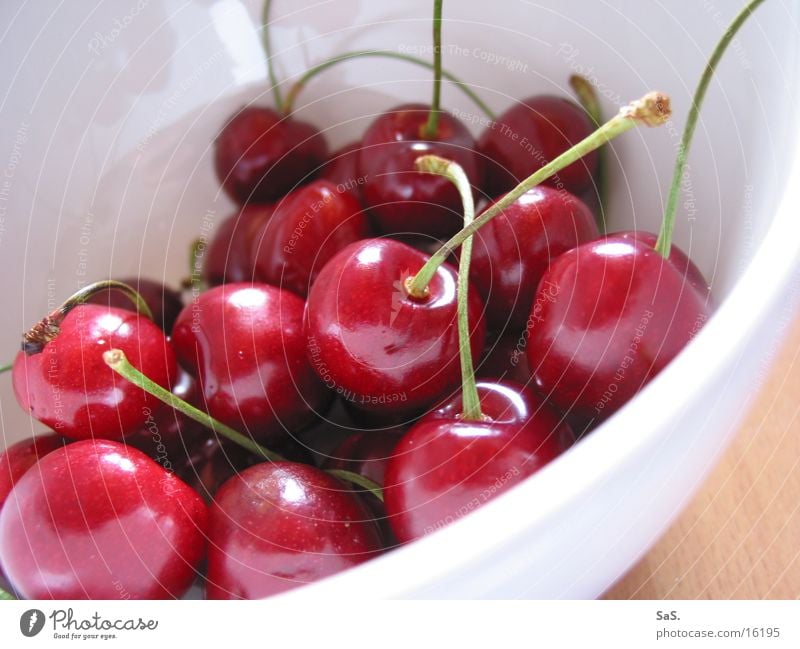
(740, 537)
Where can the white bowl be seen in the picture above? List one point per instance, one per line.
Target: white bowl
(108, 114)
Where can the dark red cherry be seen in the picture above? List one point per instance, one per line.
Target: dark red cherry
(512, 251)
(99, 520)
(505, 358)
(260, 155)
(18, 458)
(280, 525)
(376, 346)
(245, 345)
(70, 389)
(401, 199)
(165, 304)
(446, 466)
(227, 258)
(309, 226)
(608, 316)
(366, 453)
(532, 133)
(342, 170)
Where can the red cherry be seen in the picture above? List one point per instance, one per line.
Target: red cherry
(308, 227)
(512, 251)
(18, 458)
(227, 259)
(99, 520)
(68, 386)
(280, 525)
(446, 466)
(401, 199)
(608, 316)
(532, 133)
(245, 345)
(376, 346)
(342, 170)
(260, 155)
(165, 304)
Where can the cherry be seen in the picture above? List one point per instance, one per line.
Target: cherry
(165, 304)
(99, 520)
(342, 170)
(376, 345)
(260, 154)
(505, 358)
(228, 257)
(308, 227)
(608, 316)
(16, 459)
(69, 388)
(245, 345)
(515, 248)
(276, 526)
(532, 133)
(401, 199)
(447, 465)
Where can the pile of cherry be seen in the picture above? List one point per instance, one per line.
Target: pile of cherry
(313, 340)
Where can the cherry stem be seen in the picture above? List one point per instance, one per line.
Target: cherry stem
(301, 83)
(6, 595)
(455, 174)
(273, 78)
(6, 368)
(652, 110)
(34, 340)
(587, 97)
(117, 361)
(664, 242)
(431, 128)
(194, 281)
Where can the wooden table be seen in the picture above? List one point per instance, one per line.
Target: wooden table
(740, 537)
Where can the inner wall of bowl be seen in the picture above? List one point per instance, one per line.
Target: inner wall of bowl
(109, 118)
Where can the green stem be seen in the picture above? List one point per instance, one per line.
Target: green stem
(6, 368)
(117, 361)
(194, 281)
(312, 72)
(358, 480)
(664, 242)
(652, 110)
(455, 174)
(431, 129)
(587, 97)
(6, 595)
(34, 340)
(273, 77)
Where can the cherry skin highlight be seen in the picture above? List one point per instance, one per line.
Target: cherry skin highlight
(245, 345)
(308, 227)
(532, 133)
(401, 199)
(70, 389)
(609, 315)
(99, 520)
(374, 344)
(260, 155)
(446, 466)
(512, 251)
(277, 526)
(164, 303)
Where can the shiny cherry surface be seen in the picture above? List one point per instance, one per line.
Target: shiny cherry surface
(99, 520)
(18, 458)
(165, 304)
(227, 259)
(276, 526)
